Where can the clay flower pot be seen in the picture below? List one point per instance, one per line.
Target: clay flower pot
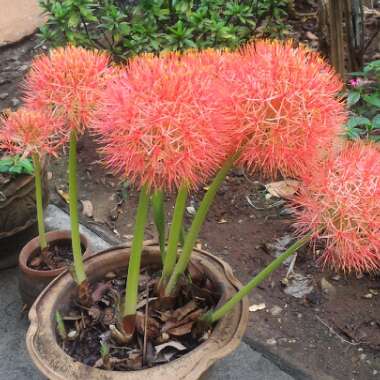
(33, 281)
(18, 214)
(55, 364)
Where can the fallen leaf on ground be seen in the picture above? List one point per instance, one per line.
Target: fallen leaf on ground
(63, 194)
(257, 307)
(88, 208)
(283, 189)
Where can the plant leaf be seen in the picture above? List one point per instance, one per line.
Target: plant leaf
(373, 99)
(353, 97)
(376, 122)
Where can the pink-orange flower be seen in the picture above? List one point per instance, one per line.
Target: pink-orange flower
(27, 131)
(160, 123)
(285, 100)
(69, 81)
(340, 204)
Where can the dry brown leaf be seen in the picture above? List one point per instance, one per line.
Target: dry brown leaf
(63, 194)
(181, 312)
(283, 189)
(181, 330)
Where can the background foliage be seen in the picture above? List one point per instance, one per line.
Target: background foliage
(364, 102)
(126, 27)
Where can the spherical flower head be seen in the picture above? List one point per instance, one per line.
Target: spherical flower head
(286, 101)
(160, 123)
(340, 204)
(27, 131)
(69, 81)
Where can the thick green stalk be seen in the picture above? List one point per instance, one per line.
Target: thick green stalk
(214, 316)
(39, 201)
(80, 274)
(196, 226)
(158, 206)
(174, 234)
(135, 259)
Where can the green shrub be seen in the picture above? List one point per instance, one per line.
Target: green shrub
(363, 100)
(126, 27)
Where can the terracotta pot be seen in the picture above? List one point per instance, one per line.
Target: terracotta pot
(33, 281)
(18, 215)
(55, 364)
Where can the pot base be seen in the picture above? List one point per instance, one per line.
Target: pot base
(56, 365)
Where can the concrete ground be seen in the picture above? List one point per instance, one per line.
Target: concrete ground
(244, 364)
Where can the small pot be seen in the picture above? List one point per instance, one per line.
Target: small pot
(33, 281)
(55, 364)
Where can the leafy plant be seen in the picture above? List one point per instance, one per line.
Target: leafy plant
(364, 101)
(16, 165)
(126, 28)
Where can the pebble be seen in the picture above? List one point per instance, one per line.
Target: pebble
(191, 210)
(336, 277)
(3, 95)
(275, 310)
(327, 287)
(3, 81)
(368, 296)
(23, 68)
(271, 341)
(15, 102)
(362, 356)
(375, 372)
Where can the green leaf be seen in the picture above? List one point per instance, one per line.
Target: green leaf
(27, 165)
(373, 99)
(74, 20)
(354, 133)
(352, 98)
(376, 122)
(356, 121)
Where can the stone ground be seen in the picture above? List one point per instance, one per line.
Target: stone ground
(245, 363)
(18, 19)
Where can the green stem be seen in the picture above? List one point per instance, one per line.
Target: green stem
(196, 226)
(174, 234)
(135, 259)
(158, 206)
(214, 316)
(39, 201)
(80, 274)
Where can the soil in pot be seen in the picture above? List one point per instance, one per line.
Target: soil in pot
(166, 328)
(58, 255)
(37, 270)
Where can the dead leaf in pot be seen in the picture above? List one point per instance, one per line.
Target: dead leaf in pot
(283, 189)
(181, 330)
(181, 312)
(196, 272)
(153, 326)
(109, 317)
(35, 262)
(100, 289)
(172, 344)
(95, 313)
(88, 208)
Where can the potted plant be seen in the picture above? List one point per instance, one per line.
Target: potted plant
(17, 205)
(169, 124)
(36, 134)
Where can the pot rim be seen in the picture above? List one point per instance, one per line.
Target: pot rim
(30, 247)
(240, 317)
